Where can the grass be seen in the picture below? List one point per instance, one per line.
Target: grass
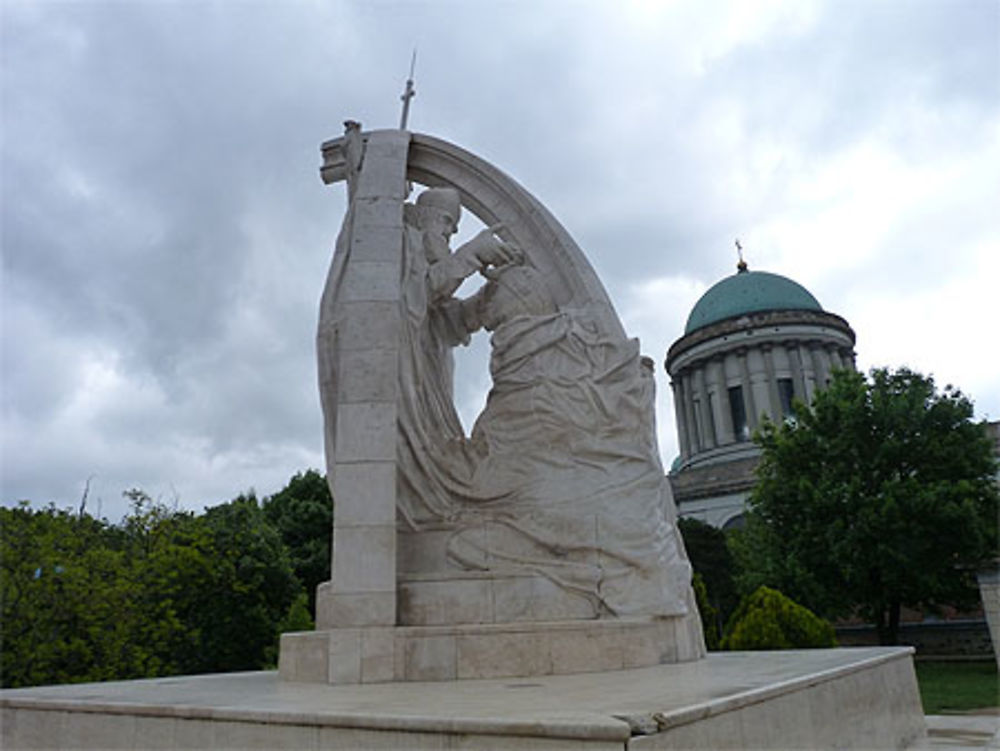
(958, 686)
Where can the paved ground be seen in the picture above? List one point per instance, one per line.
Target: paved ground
(975, 730)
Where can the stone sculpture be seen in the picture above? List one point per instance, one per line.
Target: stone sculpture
(560, 476)
(553, 520)
(433, 321)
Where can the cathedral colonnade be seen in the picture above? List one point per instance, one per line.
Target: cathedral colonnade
(723, 393)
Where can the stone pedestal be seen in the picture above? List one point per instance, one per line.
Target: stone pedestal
(497, 650)
(989, 590)
(473, 597)
(815, 699)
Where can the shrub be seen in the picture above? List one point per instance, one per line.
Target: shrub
(769, 620)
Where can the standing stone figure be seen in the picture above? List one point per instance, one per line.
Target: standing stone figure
(433, 323)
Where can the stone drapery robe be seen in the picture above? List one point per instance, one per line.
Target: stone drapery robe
(561, 476)
(433, 323)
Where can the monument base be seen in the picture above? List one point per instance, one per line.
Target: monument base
(837, 698)
(374, 654)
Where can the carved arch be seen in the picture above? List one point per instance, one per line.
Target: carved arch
(496, 198)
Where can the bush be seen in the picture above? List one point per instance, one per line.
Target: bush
(769, 620)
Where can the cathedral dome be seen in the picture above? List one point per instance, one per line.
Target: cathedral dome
(749, 292)
(754, 345)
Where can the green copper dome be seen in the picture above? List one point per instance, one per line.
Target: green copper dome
(748, 292)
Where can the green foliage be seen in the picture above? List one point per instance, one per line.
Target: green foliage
(769, 620)
(879, 495)
(708, 551)
(296, 619)
(709, 615)
(247, 592)
(302, 512)
(161, 593)
(77, 605)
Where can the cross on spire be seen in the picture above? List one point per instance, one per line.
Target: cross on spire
(742, 265)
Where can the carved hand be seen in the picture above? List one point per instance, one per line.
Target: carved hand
(488, 249)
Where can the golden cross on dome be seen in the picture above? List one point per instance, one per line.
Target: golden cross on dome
(742, 265)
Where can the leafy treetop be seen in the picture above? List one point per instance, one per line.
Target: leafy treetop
(880, 494)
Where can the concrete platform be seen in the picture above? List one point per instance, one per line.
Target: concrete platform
(843, 698)
(964, 732)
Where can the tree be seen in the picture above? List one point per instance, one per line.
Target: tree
(161, 593)
(302, 512)
(82, 599)
(248, 592)
(710, 557)
(880, 495)
(169, 566)
(709, 615)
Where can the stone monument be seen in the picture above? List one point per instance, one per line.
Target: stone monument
(545, 542)
(541, 545)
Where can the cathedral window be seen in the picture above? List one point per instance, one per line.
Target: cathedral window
(738, 411)
(786, 392)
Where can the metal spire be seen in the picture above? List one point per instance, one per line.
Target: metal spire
(408, 93)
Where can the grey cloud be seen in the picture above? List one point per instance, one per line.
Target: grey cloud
(162, 207)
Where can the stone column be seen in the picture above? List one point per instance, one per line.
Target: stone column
(682, 431)
(758, 381)
(707, 422)
(834, 355)
(808, 375)
(820, 364)
(795, 358)
(772, 384)
(850, 358)
(693, 430)
(750, 400)
(723, 422)
(365, 336)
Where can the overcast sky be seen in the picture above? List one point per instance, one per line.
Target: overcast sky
(166, 236)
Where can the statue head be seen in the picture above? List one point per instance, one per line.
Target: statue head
(511, 291)
(442, 199)
(436, 214)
